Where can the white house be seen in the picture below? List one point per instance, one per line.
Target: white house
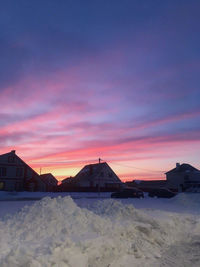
(183, 177)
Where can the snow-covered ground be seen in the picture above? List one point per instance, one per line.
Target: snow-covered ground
(86, 229)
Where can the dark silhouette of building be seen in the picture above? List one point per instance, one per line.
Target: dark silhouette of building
(183, 177)
(93, 177)
(16, 175)
(50, 181)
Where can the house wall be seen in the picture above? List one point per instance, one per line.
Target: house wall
(182, 180)
(11, 173)
(15, 175)
(104, 178)
(84, 184)
(50, 182)
(174, 181)
(107, 178)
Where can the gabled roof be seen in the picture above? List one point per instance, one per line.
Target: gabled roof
(46, 176)
(183, 168)
(67, 180)
(89, 172)
(13, 154)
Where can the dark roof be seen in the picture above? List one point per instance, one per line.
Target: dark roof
(12, 153)
(148, 183)
(89, 172)
(96, 165)
(182, 168)
(67, 180)
(47, 175)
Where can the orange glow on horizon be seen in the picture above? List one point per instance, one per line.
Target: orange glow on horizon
(62, 171)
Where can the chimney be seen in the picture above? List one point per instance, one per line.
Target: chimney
(178, 165)
(13, 151)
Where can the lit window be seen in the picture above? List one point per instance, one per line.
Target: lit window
(1, 185)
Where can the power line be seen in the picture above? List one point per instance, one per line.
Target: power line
(133, 167)
(65, 161)
(99, 160)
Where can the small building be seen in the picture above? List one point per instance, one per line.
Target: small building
(147, 185)
(68, 180)
(50, 181)
(94, 177)
(16, 175)
(183, 177)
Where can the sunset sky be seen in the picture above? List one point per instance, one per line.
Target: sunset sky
(114, 79)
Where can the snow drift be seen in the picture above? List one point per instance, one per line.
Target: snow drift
(57, 232)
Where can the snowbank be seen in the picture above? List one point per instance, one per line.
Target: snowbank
(187, 200)
(13, 196)
(57, 232)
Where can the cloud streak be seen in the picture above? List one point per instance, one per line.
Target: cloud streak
(113, 80)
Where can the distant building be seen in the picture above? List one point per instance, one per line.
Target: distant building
(68, 180)
(183, 177)
(16, 175)
(50, 182)
(146, 186)
(94, 177)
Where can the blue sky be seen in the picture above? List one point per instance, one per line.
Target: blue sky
(119, 80)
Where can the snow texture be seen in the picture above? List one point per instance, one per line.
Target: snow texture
(57, 232)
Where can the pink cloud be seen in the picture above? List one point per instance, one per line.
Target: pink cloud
(73, 117)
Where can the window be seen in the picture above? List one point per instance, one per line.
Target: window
(11, 159)
(19, 172)
(91, 170)
(102, 174)
(1, 185)
(3, 171)
(186, 178)
(17, 186)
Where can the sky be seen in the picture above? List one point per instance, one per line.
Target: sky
(116, 80)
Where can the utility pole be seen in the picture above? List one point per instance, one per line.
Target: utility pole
(40, 170)
(99, 181)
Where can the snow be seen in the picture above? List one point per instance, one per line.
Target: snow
(89, 230)
(4, 195)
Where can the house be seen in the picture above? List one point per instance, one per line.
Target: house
(50, 182)
(68, 184)
(94, 177)
(183, 177)
(68, 180)
(16, 175)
